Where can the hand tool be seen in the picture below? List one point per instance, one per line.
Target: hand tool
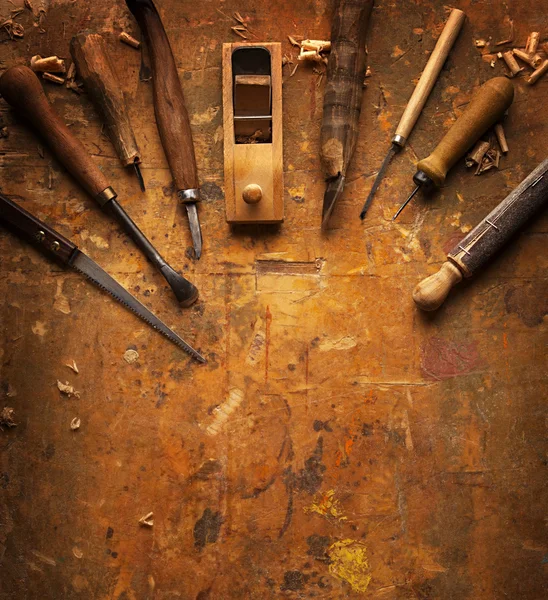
(53, 243)
(253, 147)
(420, 95)
(171, 114)
(343, 96)
(95, 68)
(485, 108)
(20, 87)
(486, 239)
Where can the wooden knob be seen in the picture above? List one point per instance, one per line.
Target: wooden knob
(432, 291)
(487, 106)
(252, 193)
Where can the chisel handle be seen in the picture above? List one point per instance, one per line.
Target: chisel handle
(169, 103)
(429, 76)
(95, 68)
(486, 107)
(20, 87)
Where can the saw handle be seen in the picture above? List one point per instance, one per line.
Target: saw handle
(95, 68)
(429, 76)
(22, 90)
(169, 103)
(32, 228)
(486, 107)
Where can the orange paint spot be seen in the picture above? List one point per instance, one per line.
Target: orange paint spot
(348, 443)
(338, 458)
(505, 340)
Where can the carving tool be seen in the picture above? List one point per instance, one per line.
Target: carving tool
(343, 96)
(171, 114)
(486, 239)
(54, 244)
(95, 68)
(420, 95)
(486, 107)
(20, 87)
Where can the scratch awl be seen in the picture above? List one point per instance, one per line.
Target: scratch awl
(171, 113)
(95, 68)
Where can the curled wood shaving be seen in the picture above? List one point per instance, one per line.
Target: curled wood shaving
(238, 17)
(13, 29)
(293, 41)
(75, 424)
(131, 356)
(129, 40)
(53, 64)
(53, 78)
(67, 389)
(6, 418)
(240, 33)
(147, 520)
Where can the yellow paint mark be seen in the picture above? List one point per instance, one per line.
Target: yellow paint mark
(297, 192)
(349, 563)
(326, 505)
(304, 146)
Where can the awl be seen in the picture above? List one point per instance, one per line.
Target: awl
(53, 243)
(171, 113)
(96, 70)
(486, 107)
(21, 88)
(420, 95)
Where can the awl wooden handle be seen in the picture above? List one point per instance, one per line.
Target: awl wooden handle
(21, 88)
(486, 107)
(429, 76)
(169, 102)
(95, 68)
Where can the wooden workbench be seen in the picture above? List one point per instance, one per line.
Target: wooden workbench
(375, 451)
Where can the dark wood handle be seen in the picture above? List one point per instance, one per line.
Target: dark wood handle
(95, 68)
(169, 102)
(21, 88)
(30, 227)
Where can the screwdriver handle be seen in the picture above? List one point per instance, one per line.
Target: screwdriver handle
(22, 90)
(169, 103)
(486, 107)
(95, 68)
(429, 76)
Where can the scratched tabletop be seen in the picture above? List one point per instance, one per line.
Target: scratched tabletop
(338, 443)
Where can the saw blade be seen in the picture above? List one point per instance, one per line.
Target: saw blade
(85, 265)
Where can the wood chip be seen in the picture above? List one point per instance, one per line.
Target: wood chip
(532, 42)
(533, 60)
(13, 29)
(67, 389)
(6, 418)
(72, 366)
(75, 424)
(477, 153)
(293, 41)
(294, 70)
(53, 78)
(129, 40)
(501, 138)
(52, 64)
(147, 520)
(536, 75)
(131, 356)
(480, 43)
(512, 63)
(238, 17)
(240, 33)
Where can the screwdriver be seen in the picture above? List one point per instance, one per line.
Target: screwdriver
(95, 68)
(20, 87)
(486, 107)
(420, 95)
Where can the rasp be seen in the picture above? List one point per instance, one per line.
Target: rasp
(171, 113)
(53, 243)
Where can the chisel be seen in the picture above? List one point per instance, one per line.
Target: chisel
(21, 88)
(420, 95)
(171, 113)
(63, 250)
(95, 68)
(486, 107)
(486, 239)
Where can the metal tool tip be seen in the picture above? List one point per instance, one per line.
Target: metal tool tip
(139, 174)
(406, 202)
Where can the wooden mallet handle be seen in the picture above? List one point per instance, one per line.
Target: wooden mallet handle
(95, 68)
(169, 103)
(22, 90)
(429, 76)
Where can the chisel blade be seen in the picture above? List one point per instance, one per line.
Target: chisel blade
(332, 192)
(85, 265)
(393, 149)
(195, 229)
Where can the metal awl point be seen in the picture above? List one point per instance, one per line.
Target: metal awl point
(406, 202)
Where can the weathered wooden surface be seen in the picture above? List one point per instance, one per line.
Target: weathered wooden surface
(429, 428)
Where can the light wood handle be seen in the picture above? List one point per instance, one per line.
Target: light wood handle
(95, 68)
(169, 103)
(487, 106)
(432, 291)
(21, 88)
(429, 75)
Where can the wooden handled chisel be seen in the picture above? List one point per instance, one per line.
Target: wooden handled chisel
(420, 95)
(486, 107)
(486, 239)
(171, 113)
(20, 87)
(49, 241)
(96, 70)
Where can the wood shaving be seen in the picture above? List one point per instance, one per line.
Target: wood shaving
(501, 138)
(147, 520)
(53, 78)
(129, 40)
(52, 64)
(477, 153)
(294, 70)
(77, 552)
(72, 366)
(75, 424)
(67, 389)
(510, 37)
(6, 418)
(13, 29)
(532, 42)
(536, 75)
(293, 41)
(240, 33)
(480, 43)
(131, 356)
(238, 17)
